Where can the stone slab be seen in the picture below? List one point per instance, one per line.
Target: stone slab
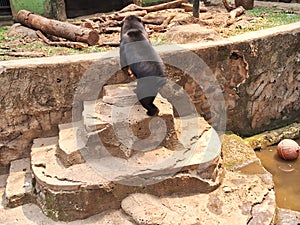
(121, 95)
(127, 128)
(147, 209)
(240, 200)
(18, 189)
(287, 217)
(91, 118)
(89, 188)
(72, 140)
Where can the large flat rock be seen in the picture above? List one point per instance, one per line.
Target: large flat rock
(241, 199)
(101, 183)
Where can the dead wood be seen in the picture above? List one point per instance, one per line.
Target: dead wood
(131, 7)
(188, 7)
(110, 23)
(4, 47)
(206, 16)
(164, 25)
(23, 54)
(110, 30)
(232, 17)
(157, 20)
(88, 23)
(122, 15)
(58, 28)
(228, 6)
(236, 12)
(111, 44)
(68, 44)
(168, 5)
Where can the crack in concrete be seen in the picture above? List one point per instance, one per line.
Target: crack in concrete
(255, 204)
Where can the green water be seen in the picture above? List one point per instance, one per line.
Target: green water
(286, 176)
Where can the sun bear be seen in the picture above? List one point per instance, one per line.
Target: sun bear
(138, 56)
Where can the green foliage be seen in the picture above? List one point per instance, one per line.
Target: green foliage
(263, 18)
(3, 34)
(273, 17)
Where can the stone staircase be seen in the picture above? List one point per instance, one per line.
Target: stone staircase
(114, 151)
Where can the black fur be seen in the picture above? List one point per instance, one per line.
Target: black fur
(137, 54)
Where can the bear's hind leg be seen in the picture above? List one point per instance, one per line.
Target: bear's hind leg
(147, 103)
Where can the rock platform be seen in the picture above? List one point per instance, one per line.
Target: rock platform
(246, 196)
(117, 150)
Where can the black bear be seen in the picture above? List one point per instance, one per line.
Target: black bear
(138, 56)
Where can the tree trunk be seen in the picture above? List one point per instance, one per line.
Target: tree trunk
(58, 28)
(59, 9)
(196, 8)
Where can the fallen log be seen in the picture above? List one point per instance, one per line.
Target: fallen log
(236, 12)
(111, 44)
(232, 18)
(23, 54)
(157, 20)
(228, 6)
(68, 44)
(58, 28)
(110, 30)
(110, 23)
(164, 25)
(168, 5)
(131, 7)
(122, 15)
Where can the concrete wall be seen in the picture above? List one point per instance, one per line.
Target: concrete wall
(258, 74)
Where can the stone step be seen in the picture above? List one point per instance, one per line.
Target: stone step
(122, 129)
(117, 130)
(121, 95)
(118, 150)
(72, 140)
(101, 183)
(18, 189)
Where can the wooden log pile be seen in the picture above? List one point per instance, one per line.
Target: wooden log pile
(86, 32)
(81, 34)
(112, 22)
(58, 28)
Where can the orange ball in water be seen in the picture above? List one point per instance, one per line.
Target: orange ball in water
(288, 149)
